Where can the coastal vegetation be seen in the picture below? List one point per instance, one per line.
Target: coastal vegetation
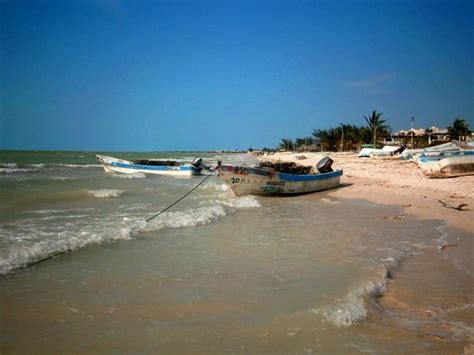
(375, 123)
(459, 128)
(347, 137)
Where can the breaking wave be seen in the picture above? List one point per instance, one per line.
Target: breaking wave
(9, 165)
(129, 176)
(36, 242)
(79, 165)
(63, 178)
(189, 218)
(13, 170)
(354, 306)
(104, 193)
(241, 202)
(215, 185)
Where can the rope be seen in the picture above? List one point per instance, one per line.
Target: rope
(186, 194)
(53, 255)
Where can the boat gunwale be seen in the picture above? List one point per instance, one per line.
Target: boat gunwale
(244, 170)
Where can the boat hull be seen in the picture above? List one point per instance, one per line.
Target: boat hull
(456, 165)
(114, 165)
(255, 181)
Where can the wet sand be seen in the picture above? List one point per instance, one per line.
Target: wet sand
(267, 280)
(394, 181)
(448, 269)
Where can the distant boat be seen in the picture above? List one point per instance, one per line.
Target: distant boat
(448, 164)
(375, 152)
(279, 178)
(151, 166)
(414, 154)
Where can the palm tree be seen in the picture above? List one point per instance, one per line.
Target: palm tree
(459, 128)
(286, 144)
(375, 124)
(327, 138)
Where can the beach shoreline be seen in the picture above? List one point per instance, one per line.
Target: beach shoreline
(392, 181)
(351, 268)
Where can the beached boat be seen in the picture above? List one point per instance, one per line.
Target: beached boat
(151, 166)
(414, 154)
(279, 178)
(386, 151)
(448, 165)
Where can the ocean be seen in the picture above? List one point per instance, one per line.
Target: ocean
(216, 273)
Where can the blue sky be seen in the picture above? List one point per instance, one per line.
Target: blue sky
(198, 75)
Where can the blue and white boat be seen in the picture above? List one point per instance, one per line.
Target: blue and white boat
(151, 166)
(448, 164)
(279, 178)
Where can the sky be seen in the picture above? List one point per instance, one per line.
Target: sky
(110, 75)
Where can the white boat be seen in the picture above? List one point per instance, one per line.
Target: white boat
(267, 179)
(448, 165)
(414, 154)
(151, 166)
(386, 151)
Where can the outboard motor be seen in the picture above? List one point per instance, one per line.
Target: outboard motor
(199, 164)
(399, 150)
(324, 165)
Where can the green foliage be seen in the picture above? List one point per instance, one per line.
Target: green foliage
(376, 124)
(287, 144)
(342, 137)
(459, 128)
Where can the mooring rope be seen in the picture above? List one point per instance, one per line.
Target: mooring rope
(53, 255)
(186, 194)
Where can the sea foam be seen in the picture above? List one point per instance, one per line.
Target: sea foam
(33, 241)
(73, 166)
(16, 170)
(241, 202)
(104, 193)
(130, 176)
(189, 218)
(354, 307)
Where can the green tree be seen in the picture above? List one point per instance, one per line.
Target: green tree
(376, 124)
(459, 128)
(327, 138)
(286, 144)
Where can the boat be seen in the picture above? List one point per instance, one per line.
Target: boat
(414, 154)
(151, 166)
(386, 151)
(448, 164)
(279, 178)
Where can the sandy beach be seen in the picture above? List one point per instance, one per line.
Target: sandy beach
(356, 269)
(397, 182)
(392, 181)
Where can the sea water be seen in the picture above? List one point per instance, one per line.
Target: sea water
(216, 273)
